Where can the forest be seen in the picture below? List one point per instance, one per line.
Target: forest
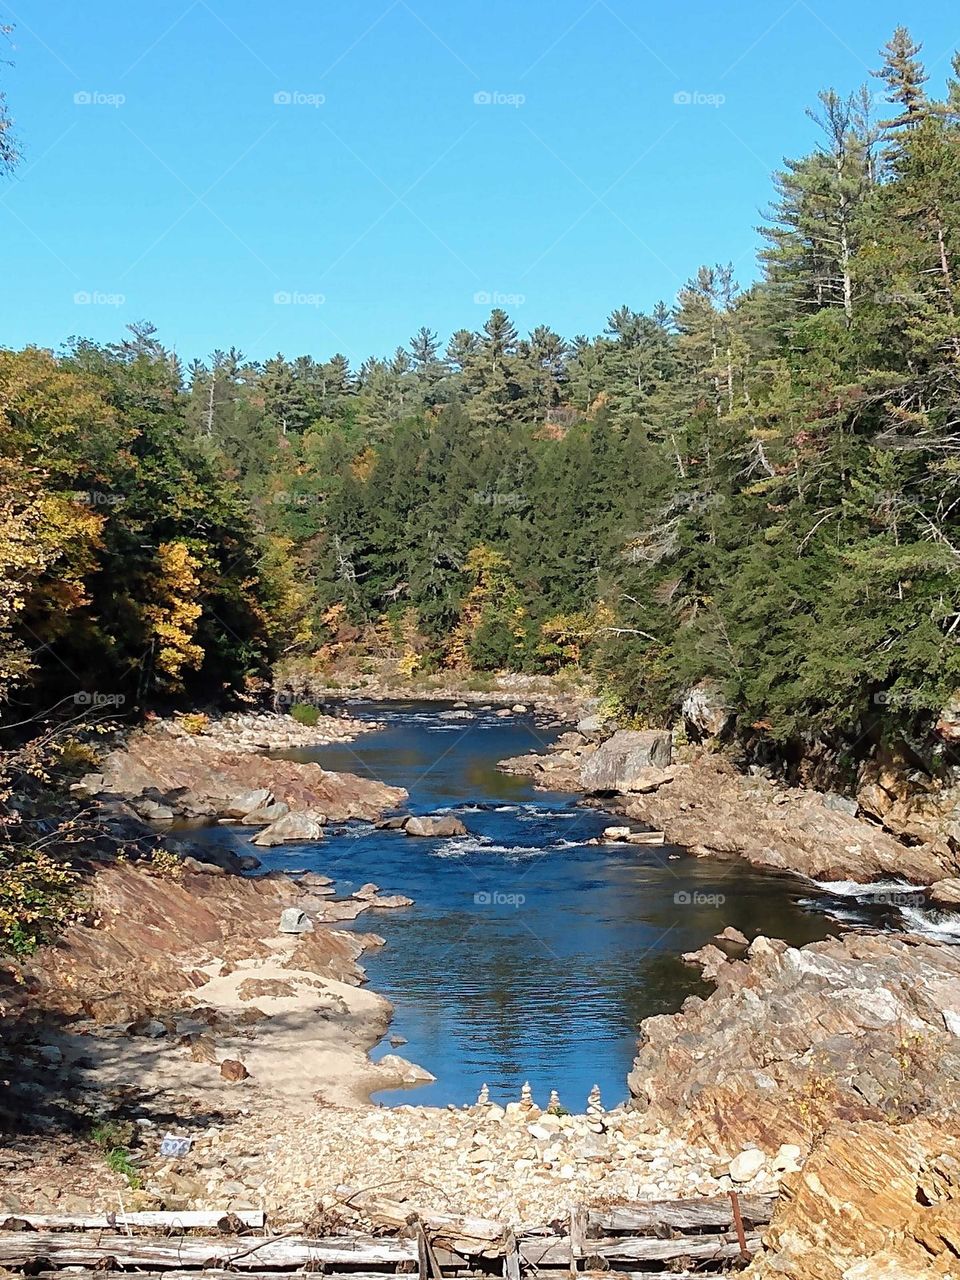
(755, 486)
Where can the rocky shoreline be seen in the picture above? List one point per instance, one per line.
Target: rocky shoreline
(703, 803)
(231, 1010)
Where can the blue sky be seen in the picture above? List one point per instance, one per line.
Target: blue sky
(309, 176)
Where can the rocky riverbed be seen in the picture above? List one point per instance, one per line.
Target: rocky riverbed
(180, 1003)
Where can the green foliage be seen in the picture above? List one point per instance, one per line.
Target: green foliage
(305, 713)
(114, 1137)
(760, 487)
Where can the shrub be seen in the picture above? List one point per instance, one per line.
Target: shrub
(305, 713)
(36, 899)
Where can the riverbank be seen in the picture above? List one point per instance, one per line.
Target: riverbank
(703, 803)
(177, 1005)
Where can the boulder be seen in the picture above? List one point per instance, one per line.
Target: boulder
(590, 726)
(618, 763)
(396, 823)
(441, 825)
(946, 893)
(305, 824)
(406, 1072)
(239, 806)
(293, 920)
(232, 1069)
(874, 1201)
(746, 1166)
(209, 855)
(267, 815)
(705, 713)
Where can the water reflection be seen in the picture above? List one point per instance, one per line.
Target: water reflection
(527, 954)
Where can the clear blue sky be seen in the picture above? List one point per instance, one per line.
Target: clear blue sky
(398, 198)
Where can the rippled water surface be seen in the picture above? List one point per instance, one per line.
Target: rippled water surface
(527, 955)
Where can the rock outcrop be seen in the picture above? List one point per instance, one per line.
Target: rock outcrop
(627, 755)
(867, 1027)
(167, 763)
(711, 808)
(873, 1202)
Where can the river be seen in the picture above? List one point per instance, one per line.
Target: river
(528, 955)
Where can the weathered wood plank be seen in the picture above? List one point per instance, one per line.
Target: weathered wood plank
(554, 1251)
(191, 1219)
(464, 1233)
(246, 1253)
(693, 1214)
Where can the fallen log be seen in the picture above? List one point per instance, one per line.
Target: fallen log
(681, 1215)
(65, 1249)
(188, 1219)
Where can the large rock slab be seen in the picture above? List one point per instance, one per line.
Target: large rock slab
(859, 1028)
(873, 1202)
(624, 758)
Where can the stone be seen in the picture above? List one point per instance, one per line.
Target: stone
(303, 824)
(247, 802)
(483, 1097)
(232, 1069)
(266, 815)
(618, 762)
(519, 708)
(948, 721)
(50, 1055)
(441, 825)
(406, 1072)
(945, 893)
(293, 920)
(705, 713)
(590, 726)
(395, 823)
(746, 1166)
(616, 833)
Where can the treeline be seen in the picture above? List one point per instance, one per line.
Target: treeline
(758, 486)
